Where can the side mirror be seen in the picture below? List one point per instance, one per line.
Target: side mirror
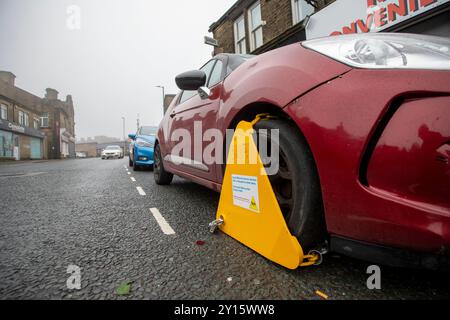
(132, 136)
(204, 93)
(191, 80)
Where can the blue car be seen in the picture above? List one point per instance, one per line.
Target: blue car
(142, 148)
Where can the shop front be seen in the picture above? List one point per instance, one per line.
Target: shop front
(430, 17)
(20, 143)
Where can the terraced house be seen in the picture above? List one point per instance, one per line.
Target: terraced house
(32, 127)
(257, 26)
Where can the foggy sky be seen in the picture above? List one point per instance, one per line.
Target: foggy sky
(112, 64)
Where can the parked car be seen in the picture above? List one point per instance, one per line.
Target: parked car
(114, 152)
(81, 154)
(364, 126)
(141, 147)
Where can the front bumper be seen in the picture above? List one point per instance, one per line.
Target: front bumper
(111, 155)
(143, 156)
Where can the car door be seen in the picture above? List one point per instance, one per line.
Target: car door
(193, 116)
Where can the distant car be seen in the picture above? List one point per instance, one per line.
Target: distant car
(114, 152)
(141, 148)
(81, 155)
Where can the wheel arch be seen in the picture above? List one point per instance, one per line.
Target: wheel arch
(250, 111)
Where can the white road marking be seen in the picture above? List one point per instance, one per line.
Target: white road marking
(133, 179)
(125, 167)
(129, 173)
(165, 227)
(141, 191)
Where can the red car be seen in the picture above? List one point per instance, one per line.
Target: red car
(364, 124)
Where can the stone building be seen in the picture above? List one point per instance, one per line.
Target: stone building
(32, 127)
(257, 26)
(87, 148)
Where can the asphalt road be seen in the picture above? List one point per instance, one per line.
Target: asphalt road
(89, 213)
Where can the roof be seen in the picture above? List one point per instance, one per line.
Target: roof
(229, 13)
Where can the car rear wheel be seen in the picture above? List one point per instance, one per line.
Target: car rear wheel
(296, 184)
(130, 162)
(162, 177)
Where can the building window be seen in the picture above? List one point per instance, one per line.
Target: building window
(44, 120)
(239, 35)
(21, 118)
(301, 9)
(256, 26)
(4, 112)
(26, 119)
(36, 123)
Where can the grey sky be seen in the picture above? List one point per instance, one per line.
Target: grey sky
(111, 65)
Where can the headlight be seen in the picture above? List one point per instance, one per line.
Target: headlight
(386, 50)
(143, 143)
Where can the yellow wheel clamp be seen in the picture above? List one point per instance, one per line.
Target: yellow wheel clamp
(248, 209)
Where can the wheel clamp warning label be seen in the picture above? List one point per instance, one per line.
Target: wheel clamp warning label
(245, 192)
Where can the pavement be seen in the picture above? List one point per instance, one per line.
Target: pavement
(90, 213)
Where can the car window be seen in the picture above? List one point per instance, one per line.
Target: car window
(216, 74)
(207, 68)
(186, 95)
(236, 60)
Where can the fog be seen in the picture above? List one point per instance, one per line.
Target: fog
(109, 60)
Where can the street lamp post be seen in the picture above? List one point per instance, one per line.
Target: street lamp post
(164, 95)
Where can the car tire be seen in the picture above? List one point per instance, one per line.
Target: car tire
(162, 177)
(130, 162)
(296, 184)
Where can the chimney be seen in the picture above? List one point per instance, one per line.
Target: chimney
(51, 94)
(8, 77)
(69, 99)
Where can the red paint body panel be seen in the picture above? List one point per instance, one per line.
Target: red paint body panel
(403, 202)
(338, 120)
(411, 159)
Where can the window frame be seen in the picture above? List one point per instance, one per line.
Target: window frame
(237, 40)
(3, 111)
(26, 118)
(21, 117)
(252, 32)
(43, 117)
(36, 123)
(296, 15)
